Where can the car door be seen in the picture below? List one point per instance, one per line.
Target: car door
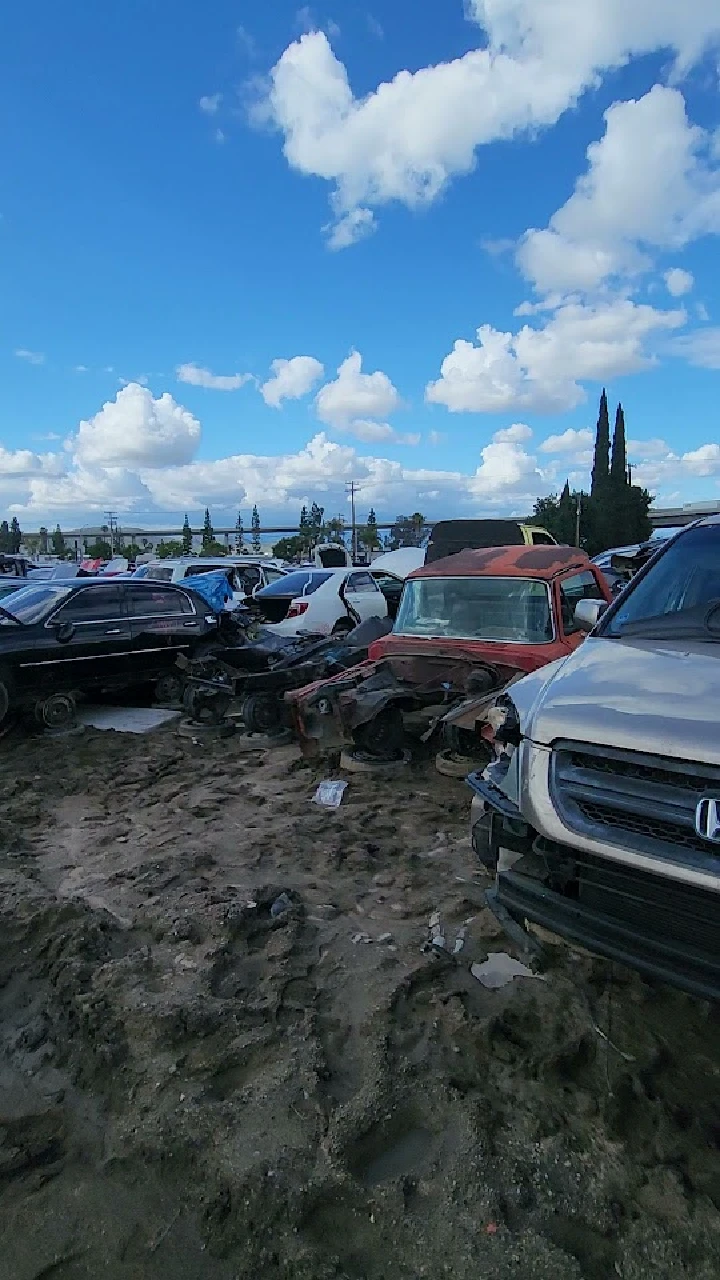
(571, 590)
(86, 641)
(164, 622)
(364, 596)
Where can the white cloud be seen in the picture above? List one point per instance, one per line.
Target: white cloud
(701, 348)
(134, 430)
(30, 357)
(704, 461)
(81, 368)
(571, 441)
(291, 379)
(650, 185)
(678, 282)
(371, 432)
(210, 103)
(355, 395)
(196, 376)
(219, 137)
(350, 228)
(515, 434)
(542, 369)
(409, 137)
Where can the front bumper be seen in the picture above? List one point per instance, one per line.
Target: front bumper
(663, 928)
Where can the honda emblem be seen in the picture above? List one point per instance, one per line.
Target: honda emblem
(707, 820)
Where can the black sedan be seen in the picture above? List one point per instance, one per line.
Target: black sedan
(58, 639)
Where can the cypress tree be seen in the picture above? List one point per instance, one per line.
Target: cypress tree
(186, 537)
(601, 461)
(618, 466)
(208, 533)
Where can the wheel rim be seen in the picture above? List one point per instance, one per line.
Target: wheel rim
(169, 689)
(58, 711)
(261, 714)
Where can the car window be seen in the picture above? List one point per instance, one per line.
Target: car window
(361, 582)
(302, 583)
(154, 603)
(160, 572)
(193, 569)
(580, 586)
(94, 604)
(273, 575)
(248, 577)
(513, 610)
(541, 539)
(686, 578)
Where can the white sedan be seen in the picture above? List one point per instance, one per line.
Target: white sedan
(321, 601)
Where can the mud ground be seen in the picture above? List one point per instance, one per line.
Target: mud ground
(193, 1089)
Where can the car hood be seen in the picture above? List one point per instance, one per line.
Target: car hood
(640, 695)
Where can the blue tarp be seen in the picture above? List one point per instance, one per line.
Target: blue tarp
(213, 588)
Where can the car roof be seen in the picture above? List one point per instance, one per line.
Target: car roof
(543, 562)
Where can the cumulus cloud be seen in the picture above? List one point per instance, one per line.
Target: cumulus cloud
(515, 434)
(570, 441)
(541, 369)
(678, 282)
(291, 379)
(135, 430)
(650, 184)
(356, 397)
(406, 140)
(30, 357)
(196, 376)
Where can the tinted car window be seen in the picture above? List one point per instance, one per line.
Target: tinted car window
(296, 584)
(581, 586)
(93, 604)
(160, 573)
(152, 603)
(194, 569)
(542, 539)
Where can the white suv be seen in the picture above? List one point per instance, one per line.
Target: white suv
(245, 575)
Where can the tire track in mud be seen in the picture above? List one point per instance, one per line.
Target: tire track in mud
(198, 1089)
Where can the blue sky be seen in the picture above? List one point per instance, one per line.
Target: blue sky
(189, 197)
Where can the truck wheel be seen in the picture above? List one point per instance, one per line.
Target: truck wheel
(262, 713)
(206, 706)
(481, 842)
(383, 736)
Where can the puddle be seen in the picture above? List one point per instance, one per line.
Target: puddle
(391, 1153)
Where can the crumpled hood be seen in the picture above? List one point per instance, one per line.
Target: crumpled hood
(640, 695)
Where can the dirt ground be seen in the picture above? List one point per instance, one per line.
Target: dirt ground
(194, 1089)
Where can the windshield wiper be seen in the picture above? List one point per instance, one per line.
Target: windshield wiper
(685, 624)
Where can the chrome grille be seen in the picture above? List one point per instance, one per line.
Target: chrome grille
(641, 802)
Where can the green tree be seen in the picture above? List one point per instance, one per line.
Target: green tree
(132, 550)
(291, 548)
(43, 540)
(368, 534)
(15, 536)
(601, 459)
(239, 535)
(187, 537)
(618, 465)
(208, 533)
(305, 531)
(169, 550)
(407, 531)
(255, 525)
(58, 542)
(5, 543)
(98, 549)
(334, 530)
(315, 524)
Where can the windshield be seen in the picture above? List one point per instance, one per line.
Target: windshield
(515, 610)
(295, 584)
(32, 604)
(679, 595)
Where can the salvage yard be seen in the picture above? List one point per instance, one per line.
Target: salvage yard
(201, 1079)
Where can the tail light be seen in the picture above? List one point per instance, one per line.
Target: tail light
(298, 608)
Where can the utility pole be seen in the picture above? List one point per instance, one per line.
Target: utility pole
(112, 521)
(578, 509)
(352, 487)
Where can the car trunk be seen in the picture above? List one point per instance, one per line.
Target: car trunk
(274, 608)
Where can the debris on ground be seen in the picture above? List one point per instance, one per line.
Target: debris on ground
(330, 794)
(499, 969)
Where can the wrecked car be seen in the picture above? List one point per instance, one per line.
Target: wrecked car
(60, 639)
(262, 670)
(465, 628)
(600, 815)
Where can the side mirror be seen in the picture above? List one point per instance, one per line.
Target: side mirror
(65, 632)
(588, 614)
